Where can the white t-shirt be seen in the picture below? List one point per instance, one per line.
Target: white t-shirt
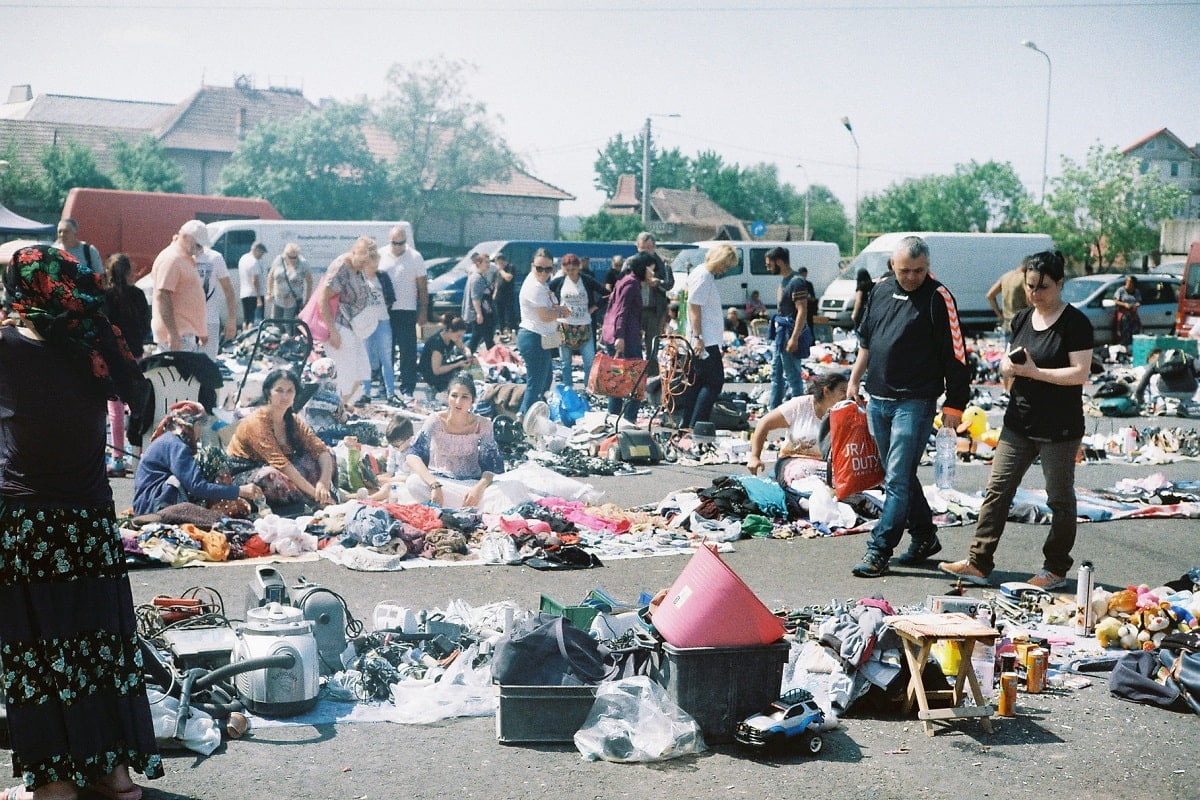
(249, 268)
(804, 429)
(366, 321)
(535, 295)
(574, 297)
(211, 266)
(703, 292)
(404, 270)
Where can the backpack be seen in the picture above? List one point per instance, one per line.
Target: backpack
(1118, 406)
(1174, 364)
(1141, 678)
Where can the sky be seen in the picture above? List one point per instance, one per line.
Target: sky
(926, 84)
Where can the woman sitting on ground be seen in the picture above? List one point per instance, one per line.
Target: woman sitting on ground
(443, 353)
(280, 452)
(167, 473)
(802, 417)
(455, 458)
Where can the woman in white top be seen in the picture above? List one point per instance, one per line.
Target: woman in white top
(579, 292)
(540, 313)
(373, 326)
(801, 417)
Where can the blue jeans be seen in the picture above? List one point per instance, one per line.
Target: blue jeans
(901, 430)
(379, 353)
(587, 350)
(785, 377)
(632, 405)
(539, 367)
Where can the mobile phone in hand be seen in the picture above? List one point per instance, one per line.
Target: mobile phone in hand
(1018, 355)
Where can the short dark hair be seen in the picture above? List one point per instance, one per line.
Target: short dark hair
(399, 428)
(638, 264)
(779, 254)
(1048, 263)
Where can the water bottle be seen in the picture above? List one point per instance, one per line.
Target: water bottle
(983, 657)
(945, 452)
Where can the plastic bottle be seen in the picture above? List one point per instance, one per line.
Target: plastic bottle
(945, 453)
(983, 657)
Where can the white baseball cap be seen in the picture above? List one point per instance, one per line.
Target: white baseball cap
(195, 229)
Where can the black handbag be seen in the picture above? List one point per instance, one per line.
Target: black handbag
(548, 651)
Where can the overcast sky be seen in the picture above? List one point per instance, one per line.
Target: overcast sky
(926, 84)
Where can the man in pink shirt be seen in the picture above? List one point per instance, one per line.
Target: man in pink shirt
(179, 320)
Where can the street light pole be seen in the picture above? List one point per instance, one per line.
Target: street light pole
(807, 194)
(646, 168)
(857, 153)
(1046, 135)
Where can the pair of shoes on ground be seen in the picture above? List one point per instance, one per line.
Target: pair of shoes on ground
(874, 565)
(965, 570)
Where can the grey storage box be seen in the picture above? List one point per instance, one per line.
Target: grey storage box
(542, 714)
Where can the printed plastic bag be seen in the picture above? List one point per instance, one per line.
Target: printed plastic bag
(566, 406)
(634, 720)
(854, 456)
(618, 377)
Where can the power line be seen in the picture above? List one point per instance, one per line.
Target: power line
(107, 5)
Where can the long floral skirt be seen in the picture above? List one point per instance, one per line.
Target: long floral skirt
(71, 669)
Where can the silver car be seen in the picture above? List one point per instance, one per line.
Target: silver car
(1093, 295)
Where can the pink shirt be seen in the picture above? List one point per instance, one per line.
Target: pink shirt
(174, 272)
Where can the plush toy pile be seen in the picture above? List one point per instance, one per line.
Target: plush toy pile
(1139, 618)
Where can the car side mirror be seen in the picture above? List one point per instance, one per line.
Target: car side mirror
(1108, 302)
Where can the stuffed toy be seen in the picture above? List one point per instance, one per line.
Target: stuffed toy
(1123, 602)
(1108, 632)
(1127, 635)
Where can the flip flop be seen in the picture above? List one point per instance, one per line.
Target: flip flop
(103, 790)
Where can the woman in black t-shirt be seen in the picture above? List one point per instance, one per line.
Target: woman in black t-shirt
(443, 353)
(1045, 372)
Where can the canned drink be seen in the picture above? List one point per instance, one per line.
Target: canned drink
(237, 725)
(1006, 705)
(1008, 662)
(1035, 676)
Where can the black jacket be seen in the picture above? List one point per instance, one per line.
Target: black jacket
(595, 291)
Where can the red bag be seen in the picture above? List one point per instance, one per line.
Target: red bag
(618, 377)
(853, 455)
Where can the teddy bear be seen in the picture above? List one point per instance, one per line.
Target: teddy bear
(1108, 632)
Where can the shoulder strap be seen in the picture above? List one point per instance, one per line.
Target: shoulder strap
(87, 255)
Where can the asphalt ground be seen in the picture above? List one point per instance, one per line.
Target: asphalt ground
(1079, 743)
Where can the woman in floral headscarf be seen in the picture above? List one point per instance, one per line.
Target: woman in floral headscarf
(167, 473)
(68, 609)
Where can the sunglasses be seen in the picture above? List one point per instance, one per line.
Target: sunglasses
(543, 269)
(400, 244)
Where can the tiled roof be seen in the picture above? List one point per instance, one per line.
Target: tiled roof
(31, 137)
(1161, 132)
(689, 207)
(521, 184)
(625, 199)
(69, 109)
(214, 116)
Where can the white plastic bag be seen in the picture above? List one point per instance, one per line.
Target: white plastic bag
(464, 690)
(634, 720)
(200, 732)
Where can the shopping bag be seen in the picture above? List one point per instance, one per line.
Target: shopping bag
(566, 405)
(618, 377)
(311, 313)
(854, 457)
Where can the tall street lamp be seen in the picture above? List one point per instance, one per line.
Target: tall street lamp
(807, 195)
(646, 168)
(857, 153)
(1046, 135)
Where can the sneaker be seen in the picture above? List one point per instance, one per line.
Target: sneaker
(1047, 581)
(398, 400)
(871, 566)
(966, 571)
(117, 468)
(920, 551)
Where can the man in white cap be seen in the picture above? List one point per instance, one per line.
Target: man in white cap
(179, 320)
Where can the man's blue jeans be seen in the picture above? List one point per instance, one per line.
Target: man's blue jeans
(539, 367)
(379, 352)
(785, 375)
(901, 430)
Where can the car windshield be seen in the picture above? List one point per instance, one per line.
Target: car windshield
(687, 259)
(874, 263)
(1077, 290)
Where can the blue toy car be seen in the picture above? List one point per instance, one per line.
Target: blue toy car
(795, 716)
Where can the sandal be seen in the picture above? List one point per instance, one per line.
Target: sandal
(15, 792)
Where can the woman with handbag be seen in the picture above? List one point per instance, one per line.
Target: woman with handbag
(538, 336)
(346, 282)
(622, 331)
(289, 283)
(581, 294)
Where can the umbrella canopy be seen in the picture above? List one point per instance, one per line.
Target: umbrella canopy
(12, 223)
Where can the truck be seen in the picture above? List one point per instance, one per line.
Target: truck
(967, 263)
(1187, 315)
(750, 274)
(141, 224)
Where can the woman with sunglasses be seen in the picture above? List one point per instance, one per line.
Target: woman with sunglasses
(289, 283)
(1044, 374)
(538, 336)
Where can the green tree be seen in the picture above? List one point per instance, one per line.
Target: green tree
(19, 188)
(143, 166)
(316, 166)
(446, 142)
(605, 227)
(1103, 211)
(826, 218)
(65, 166)
(979, 197)
(669, 169)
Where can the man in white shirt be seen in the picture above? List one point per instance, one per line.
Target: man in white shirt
(405, 268)
(220, 305)
(68, 240)
(706, 331)
(252, 281)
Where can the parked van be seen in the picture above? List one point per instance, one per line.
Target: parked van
(750, 274)
(320, 241)
(967, 263)
(1187, 317)
(141, 224)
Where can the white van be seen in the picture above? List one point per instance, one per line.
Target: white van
(967, 263)
(320, 241)
(750, 273)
